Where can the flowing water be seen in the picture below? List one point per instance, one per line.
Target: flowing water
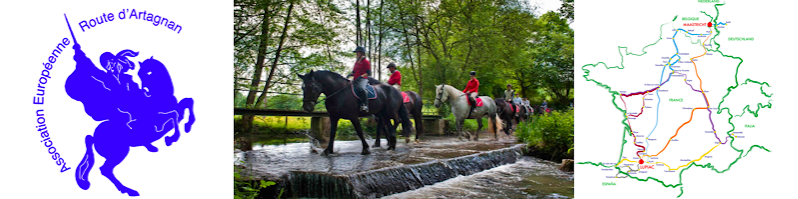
(438, 167)
(529, 177)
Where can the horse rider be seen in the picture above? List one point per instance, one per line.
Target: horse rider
(396, 78)
(472, 89)
(527, 105)
(544, 105)
(360, 73)
(509, 93)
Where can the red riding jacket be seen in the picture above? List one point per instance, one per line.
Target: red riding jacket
(396, 78)
(361, 67)
(472, 86)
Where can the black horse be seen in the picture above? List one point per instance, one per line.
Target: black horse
(507, 114)
(342, 104)
(413, 108)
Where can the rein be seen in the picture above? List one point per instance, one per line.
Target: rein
(328, 96)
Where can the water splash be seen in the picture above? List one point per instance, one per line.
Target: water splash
(397, 179)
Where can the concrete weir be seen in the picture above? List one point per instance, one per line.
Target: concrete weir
(390, 180)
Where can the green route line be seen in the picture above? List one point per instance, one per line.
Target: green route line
(742, 153)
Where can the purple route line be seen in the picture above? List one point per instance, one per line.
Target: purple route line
(710, 112)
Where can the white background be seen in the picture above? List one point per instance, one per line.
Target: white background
(606, 25)
(198, 59)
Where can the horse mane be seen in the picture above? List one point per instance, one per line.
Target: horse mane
(327, 73)
(452, 89)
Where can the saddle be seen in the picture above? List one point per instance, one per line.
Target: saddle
(478, 101)
(370, 93)
(405, 98)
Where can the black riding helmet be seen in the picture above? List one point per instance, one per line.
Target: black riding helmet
(360, 49)
(473, 73)
(391, 65)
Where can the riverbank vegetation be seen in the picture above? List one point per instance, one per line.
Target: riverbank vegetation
(549, 136)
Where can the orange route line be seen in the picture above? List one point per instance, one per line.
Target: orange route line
(700, 82)
(677, 130)
(700, 86)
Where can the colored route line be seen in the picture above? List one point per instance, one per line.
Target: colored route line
(677, 130)
(701, 87)
(669, 168)
(669, 65)
(631, 132)
(657, 88)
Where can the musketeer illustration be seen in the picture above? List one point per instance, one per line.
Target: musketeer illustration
(131, 115)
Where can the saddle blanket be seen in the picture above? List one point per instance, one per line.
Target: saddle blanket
(405, 98)
(516, 108)
(478, 100)
(370, 93)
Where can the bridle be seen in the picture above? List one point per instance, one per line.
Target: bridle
(325, 98)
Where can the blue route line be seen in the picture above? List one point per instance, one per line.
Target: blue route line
(659, 100)
(674, 35)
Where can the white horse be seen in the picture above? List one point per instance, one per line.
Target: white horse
(461, 109)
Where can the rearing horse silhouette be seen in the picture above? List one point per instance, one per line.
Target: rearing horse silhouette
(130, 116)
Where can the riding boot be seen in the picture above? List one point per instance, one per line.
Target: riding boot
(360, 91)
(473, 103)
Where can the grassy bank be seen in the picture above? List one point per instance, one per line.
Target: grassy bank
(549, 136)
(276, 130)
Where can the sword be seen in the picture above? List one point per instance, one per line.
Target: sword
(70, 29)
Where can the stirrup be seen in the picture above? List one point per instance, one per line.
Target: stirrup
(364, 108)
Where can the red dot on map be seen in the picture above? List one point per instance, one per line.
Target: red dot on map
(709, 24)
(641, 161)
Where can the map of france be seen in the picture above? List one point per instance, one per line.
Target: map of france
(681, 101)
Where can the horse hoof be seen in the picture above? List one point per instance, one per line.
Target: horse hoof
(365, 152)
(407, 140)
(131, 192)
(327, 152)
(392, 148)
(169, 140)
(375, 146)
(151, 148)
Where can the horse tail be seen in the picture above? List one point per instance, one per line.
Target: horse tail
(418, 114)
(496, 124)
(82, 172)
(406, 125)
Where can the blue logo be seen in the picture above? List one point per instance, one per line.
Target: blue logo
(131, 115)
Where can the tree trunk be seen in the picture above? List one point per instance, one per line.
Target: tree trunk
(357, 23)
(264, 37)
(418, 51)
(379, 44)
(246, 120)
(261, 99)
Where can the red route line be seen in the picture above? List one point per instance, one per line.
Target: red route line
(632, 132)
